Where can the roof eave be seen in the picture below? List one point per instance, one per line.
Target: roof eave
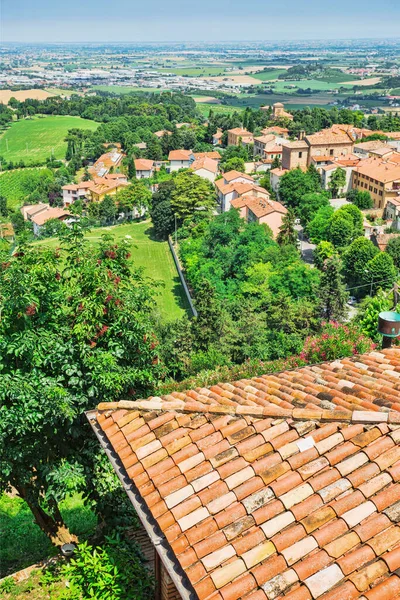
(158, 540)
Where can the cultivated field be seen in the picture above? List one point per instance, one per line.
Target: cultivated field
(155, 257)
(36, 139)
(22, 95)
(16, 185)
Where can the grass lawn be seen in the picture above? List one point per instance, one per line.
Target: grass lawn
(35, 588)
(23, 543)
(34, 139)
(156, 260)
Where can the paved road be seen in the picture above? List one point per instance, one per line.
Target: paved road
(307, 249)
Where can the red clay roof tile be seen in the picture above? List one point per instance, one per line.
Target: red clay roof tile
(247, 511)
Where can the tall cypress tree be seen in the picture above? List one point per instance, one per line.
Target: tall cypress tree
(332, 290)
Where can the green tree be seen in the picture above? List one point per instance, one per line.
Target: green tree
(294, 185)
(276, 163)
(131, 168)
(78, 334)
(235, 164)
(332, 290)
(108, 210)
(340, 231)
(355, 259)
(393, 249)
(163, 219)
(380, 272)
(3, 206)
(86, 175)
(323, 251)
(337, 181)
(368, 312)
(312, 171)
(191, 193)
(309, 205)
(361, 199)
(318, 228)
(287, 233)
(137, 195)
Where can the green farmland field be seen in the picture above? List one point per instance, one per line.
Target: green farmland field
(156, 259)
(268, 75)
(33, 140)
(18, 184)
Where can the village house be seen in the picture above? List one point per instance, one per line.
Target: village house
(261, 143)
(110, 161)
(392, 211)
(144, 168)
(39, 214)
(206, 168)
(277, 131)
(281, 486)
(179, 159)
(210, 154)
(260, 209)
(239, 137)
(76, 191)
(279, 112)
(275, 176)
(326, 143)
(381, 178)
(105, 187)
(217, 137)
(364, 149)
(159, 134)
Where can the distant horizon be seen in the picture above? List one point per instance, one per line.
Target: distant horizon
(220, 42)
(93, 21)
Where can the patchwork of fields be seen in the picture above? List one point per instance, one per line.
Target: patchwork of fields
(35, 139)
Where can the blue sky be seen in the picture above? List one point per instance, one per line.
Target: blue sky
(191, 20)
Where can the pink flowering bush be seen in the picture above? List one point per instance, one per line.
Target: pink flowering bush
(335, 341)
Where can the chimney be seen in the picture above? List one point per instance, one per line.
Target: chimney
(302, 134)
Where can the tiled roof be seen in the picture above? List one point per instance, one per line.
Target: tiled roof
(143, 164)
(329, 136)
(209, 164)
(232, 175)
(51, 213)
(179, 155)
(281, 485)
(212, 154)
(383, 171)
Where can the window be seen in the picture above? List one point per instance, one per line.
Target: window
(300, 154)
(380, 193)
(375, 191)
(331, 152)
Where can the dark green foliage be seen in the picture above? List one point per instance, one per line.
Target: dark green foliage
(115, 570)
(393, 249)
(318, 228)
(332, 291)
(323, 251)
(3, 206)
(361, 199)
(309, 205)
(287, 235)
(107, 210)
(80, 332)
(337, 181)
(355, 260)
(294, 185)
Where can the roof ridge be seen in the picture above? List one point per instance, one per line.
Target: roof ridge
(297, 414)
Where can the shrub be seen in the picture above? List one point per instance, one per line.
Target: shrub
(114, 571)
(335, 341)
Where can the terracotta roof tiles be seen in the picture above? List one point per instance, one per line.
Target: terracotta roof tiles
(281, 485)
